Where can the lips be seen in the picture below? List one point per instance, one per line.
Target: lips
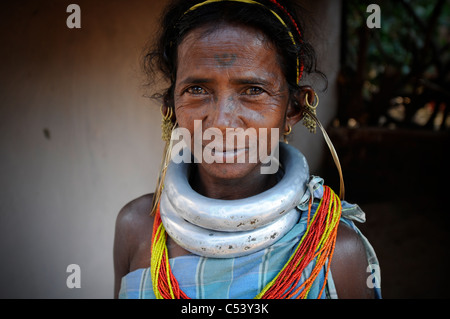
(227, 155)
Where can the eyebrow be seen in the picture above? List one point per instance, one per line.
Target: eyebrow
(259, 81)
(195, 80)
(255, 80)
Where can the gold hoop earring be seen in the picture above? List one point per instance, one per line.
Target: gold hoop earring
(166, 124)
(308, 120)
(311, 121)
(285, 134)
(167, 127)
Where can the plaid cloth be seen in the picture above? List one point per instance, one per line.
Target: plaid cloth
(244, 277)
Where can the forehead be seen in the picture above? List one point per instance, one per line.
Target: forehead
(225, 46)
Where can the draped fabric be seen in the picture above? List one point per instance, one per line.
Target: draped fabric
(244, 277)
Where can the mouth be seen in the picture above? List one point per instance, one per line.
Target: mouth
(228, 156)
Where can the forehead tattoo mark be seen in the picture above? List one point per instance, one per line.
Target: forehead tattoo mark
(225, 60)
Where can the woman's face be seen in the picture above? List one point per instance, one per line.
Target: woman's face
(230, 78)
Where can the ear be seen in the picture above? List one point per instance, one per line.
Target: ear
(294, 112)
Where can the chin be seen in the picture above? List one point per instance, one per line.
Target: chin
(230, 171)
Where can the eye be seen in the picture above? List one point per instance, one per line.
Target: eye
(196, 90)
(254, 90)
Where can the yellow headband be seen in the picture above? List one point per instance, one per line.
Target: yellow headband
(254, 2)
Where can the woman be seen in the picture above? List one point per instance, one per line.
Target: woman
(234, 229)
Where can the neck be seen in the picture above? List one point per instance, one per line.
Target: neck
(230, 189)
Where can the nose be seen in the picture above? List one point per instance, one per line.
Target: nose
(225, 112)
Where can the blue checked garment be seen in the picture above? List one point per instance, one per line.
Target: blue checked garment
(244, 277)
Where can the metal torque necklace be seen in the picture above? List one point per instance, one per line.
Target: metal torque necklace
(232, 228)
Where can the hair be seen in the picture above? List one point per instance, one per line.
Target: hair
(176, 23)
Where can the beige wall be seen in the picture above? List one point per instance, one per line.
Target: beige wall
(78, 139)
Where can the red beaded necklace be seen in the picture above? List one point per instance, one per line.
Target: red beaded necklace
(317, 244)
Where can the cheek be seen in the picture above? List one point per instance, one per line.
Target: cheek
(186, 116)
(191, 119)
(269, 117)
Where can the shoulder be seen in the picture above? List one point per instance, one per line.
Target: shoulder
(134, 221)
(132, 237)
(349, 265)
(134, 213)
